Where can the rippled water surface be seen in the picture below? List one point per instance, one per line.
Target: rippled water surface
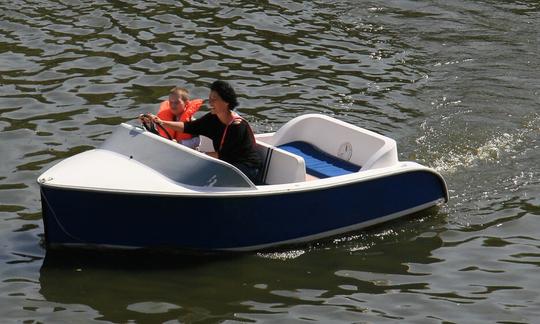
(456, 83)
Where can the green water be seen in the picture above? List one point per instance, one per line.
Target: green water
(456, 83)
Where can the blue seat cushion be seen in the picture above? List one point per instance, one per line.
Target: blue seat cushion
(318, 163)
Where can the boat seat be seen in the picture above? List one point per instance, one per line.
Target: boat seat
(318, 163)
(280, 166)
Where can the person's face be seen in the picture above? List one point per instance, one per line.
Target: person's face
(217, 104)
(176, 103)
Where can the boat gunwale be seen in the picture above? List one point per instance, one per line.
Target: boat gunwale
(267, 190)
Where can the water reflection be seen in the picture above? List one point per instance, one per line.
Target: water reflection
(163, 286)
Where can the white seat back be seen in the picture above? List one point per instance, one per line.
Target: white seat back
(280, 166)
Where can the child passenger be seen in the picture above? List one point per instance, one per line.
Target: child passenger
(178, 107)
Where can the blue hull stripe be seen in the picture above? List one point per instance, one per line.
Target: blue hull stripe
(209, 223)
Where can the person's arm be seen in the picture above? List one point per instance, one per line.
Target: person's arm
(176, 126)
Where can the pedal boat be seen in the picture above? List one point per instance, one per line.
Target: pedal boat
(322, 177)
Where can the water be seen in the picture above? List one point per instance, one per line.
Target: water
(455, 83)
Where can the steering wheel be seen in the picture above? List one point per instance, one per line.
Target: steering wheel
(152, 129)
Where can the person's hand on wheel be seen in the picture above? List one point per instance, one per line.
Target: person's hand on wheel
(156, 119)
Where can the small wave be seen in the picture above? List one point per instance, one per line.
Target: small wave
(152, 307)
(453, 62)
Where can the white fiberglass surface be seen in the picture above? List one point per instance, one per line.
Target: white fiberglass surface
(107, 170)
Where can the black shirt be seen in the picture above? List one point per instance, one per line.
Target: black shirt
(238, 146)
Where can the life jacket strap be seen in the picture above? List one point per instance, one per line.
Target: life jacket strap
(236, 117)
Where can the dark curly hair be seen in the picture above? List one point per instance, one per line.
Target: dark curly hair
(226, 92)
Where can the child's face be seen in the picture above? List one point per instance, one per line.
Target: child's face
(176, 103)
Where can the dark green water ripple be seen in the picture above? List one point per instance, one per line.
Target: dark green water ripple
(456, 83)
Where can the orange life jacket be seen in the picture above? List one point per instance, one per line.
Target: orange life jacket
(165, 113)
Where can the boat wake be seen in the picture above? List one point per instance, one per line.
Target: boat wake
(285, 255)
(491, 150)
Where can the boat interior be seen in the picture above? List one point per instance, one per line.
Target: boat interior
(306, 149)
(312, 147)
